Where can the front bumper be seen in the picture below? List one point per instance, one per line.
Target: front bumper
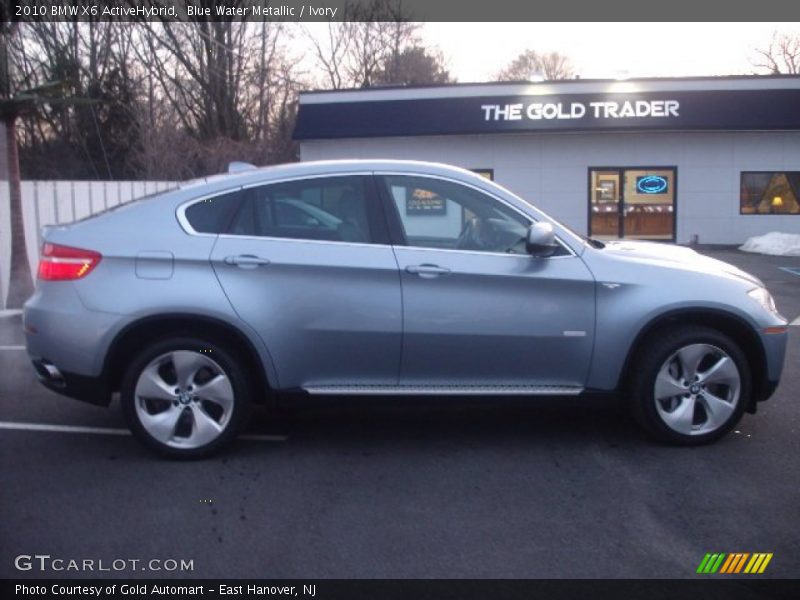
(774, 355)
(767, 390)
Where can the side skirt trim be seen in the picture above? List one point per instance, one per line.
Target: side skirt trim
(445, 390)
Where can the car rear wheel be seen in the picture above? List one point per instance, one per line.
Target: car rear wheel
(691, 386)
(185, 397)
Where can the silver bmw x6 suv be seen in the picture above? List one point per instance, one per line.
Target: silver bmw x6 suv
(385, 278)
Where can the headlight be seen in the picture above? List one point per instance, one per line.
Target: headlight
(764, 298)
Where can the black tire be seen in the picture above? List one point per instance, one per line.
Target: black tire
(656, 352)
(237, 410)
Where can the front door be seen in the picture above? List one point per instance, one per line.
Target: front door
(477, 309)
(635, 203)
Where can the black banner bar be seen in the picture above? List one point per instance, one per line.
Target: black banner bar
(721, 588)
(413, 10)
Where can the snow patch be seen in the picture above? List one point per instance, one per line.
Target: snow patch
(774, 243)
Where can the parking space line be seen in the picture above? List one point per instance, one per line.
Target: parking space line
(796, 322)
(62, 428)
(12, 347)
(10, 312)
(792, 270)
(112, 430)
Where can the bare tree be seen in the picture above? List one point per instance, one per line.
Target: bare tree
(781, 56)
(381, 31)
(415, 65)
(549, 65)
(217, 91)
(231, 86)
(200, 70)
(40, 71)
(361, 50)
(90, 61)
(331, 53)
(271, 95)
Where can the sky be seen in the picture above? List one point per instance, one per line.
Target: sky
(475, 51)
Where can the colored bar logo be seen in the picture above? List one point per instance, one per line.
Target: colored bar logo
(736, 562)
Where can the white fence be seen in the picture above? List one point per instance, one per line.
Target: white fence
(56, 202)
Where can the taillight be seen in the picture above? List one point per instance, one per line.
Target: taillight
(63, 263)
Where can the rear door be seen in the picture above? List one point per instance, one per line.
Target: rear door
(307, 264)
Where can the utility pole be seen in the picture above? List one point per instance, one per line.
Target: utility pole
(21, 281)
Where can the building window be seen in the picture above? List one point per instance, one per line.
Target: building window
(770, 193)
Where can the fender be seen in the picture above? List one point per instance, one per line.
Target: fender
(240, 331)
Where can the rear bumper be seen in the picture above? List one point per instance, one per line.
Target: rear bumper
(93, 390)
(66, 342)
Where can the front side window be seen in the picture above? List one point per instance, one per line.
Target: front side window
(769, 193)
(327, 209)
(436, 213)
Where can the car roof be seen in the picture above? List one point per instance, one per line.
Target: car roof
(324, 167)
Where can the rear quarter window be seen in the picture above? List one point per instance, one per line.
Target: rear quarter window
(212, 215)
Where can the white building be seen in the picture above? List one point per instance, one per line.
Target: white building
(717, 158)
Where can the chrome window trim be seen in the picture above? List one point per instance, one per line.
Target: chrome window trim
(305, 177)
(484, 253)
(181, 213)
(561, 242)
(231, 236)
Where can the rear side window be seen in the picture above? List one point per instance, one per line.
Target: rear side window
(327, 208)
(212, 215)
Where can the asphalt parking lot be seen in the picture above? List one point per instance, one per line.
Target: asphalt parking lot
(551, 489)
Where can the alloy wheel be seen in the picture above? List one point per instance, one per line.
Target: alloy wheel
(184, 399)
(697, 389)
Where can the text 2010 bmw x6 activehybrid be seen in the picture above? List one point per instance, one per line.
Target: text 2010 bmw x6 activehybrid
(385, 277)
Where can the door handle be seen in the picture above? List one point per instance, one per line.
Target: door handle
(246, 261)
(428, 271)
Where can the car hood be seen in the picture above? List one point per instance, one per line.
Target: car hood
(670, 255)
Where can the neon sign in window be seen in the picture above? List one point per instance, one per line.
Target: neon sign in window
(652, 184)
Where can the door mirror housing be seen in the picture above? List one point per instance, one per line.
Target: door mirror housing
(540, 240)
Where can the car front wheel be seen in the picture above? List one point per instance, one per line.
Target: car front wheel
(185, 397)
(691, 386)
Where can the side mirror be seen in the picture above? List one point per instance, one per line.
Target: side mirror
(541, 241)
